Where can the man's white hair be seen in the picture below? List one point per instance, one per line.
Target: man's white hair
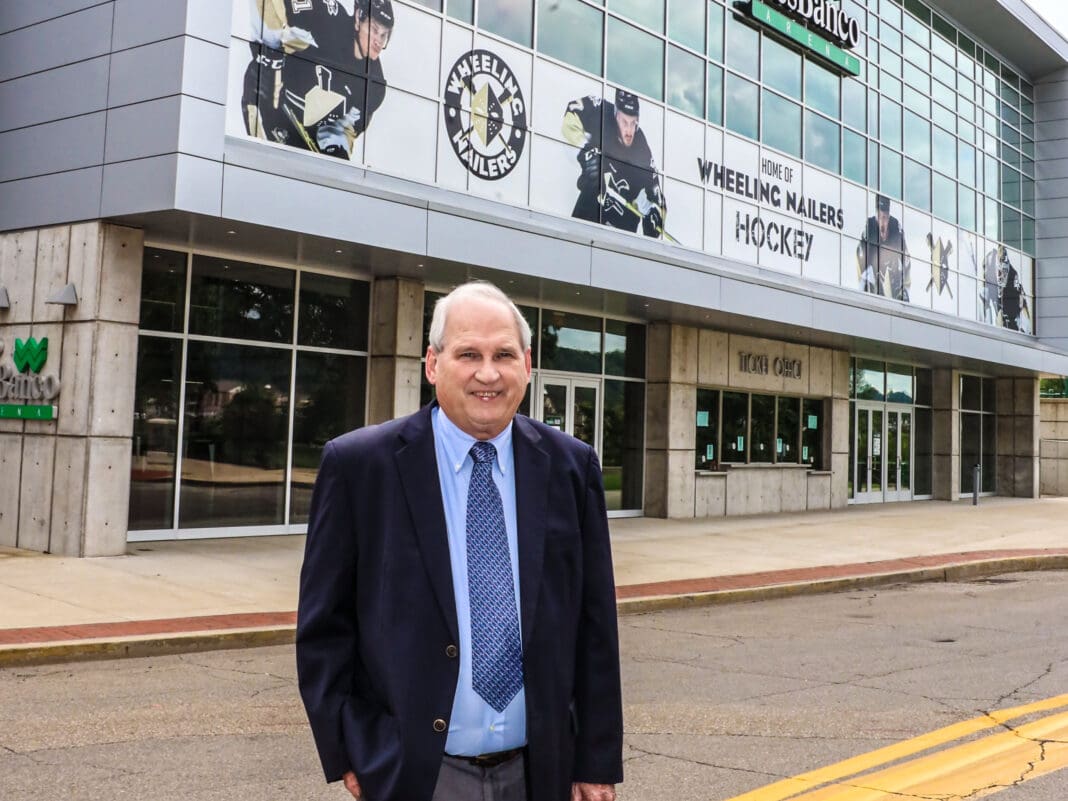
(482, 290)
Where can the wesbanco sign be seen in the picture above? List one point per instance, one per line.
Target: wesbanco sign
(825, 16)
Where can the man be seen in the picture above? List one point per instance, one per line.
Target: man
(883, 263)
(1003, 292)
(617, 183)
(315, 79)
(457, 626)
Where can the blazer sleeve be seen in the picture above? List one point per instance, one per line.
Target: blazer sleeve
(598, 696)
(327, 627)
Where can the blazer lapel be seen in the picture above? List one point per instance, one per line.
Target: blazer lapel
(532, 465)
(417, 464)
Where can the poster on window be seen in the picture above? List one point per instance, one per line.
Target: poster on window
(397, 88)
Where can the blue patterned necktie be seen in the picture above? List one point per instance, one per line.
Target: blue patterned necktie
(496, 652)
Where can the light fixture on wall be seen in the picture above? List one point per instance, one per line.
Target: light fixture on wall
(67, 296)
(5, 301)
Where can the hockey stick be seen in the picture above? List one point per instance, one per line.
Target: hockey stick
(633, 209)
(314, 148)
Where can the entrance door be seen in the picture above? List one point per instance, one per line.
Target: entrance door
(899, 455)
(572, 405)
(883, 454)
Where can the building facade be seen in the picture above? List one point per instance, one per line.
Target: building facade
(776, 255)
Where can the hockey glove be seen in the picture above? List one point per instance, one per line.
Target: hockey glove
(335, 137)
(589, 159)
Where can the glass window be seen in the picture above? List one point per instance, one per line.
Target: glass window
(782, 124)
(329, 401)
(966, 163)
(570, 342)
(922, 452)
(989, 395)
(853, 156)
(944, 152)
(715, 31)
(917, 79)
(333, 312)
(624, 349)
(707, 456)
(971, 392)
(899, 383)
(714, 112)
(966, 208)
(788, 431)
(821, 89)
(463, 10)
(623, 443)
(873, 113)
(762, 429)
(512, 19)
(635, 59)
(236, 300)
(944, 198)
(651, 15)
(970, 453)
(890, 123)
(821, 141)
(870, 380)
(782, 69)
(988, 476)
(686, 23)
(917, 185)
(163, 290)
(917, 137)
(924, 386)
(735, 426)
(890, 172)
(743, 112)
(234, 442)
(155, 433)
(743, 47)
(686, 81)
(891, 87)
(565, 31)
(854, 104)
(812, 432)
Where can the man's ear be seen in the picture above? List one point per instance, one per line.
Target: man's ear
(431, 369)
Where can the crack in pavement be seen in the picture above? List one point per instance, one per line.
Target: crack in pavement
(702, 763)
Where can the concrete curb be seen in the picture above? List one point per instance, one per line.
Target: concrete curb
(193, 642)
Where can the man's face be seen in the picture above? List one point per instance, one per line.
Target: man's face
(884, 225)
(482, 371)
(371, 38)
(628, 126)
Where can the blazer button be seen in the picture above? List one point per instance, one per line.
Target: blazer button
(451, 651)
(440, 725)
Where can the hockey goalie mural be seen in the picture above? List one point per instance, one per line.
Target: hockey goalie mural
(400, 89)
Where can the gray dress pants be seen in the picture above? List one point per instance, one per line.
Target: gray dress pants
(461, 781)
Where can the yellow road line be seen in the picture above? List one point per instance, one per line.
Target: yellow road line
(787, 788)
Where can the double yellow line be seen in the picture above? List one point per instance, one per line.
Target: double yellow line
(976, 767)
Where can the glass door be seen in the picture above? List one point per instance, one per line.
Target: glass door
(899, 455)
(571, 405)
(869, 449)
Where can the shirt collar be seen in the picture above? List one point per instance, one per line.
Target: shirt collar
(457, 443)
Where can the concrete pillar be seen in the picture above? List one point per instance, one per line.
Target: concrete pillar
(64, 483)
(396, 348)
(945, 425)
(839, 430)
(1019, 427)
(670, 415)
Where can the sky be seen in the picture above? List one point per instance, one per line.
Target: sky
(1055, 12)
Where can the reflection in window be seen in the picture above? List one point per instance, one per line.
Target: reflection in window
(707, 457)
(735, 426)
(512, 19)
(743, 47)
(917, 185)
(155, 433)
(333, 312)
(624, 349)
(762, 429)
(463, 10)
(854, 165)
(812, 432)
(329, 401)
(234, 442)
(686, 23)
(571, 342)
(715, 32)
(890, 172)
(714, 114)
(854, 104)
(635, 59)
(782, 124)
(870, 380)
(743, 111)
(821, 141)
(822, 89)
(788, 431)
(890, 123)
(163, 290)
(917, 137)
(564, 32)
(944, 198)
(782, 69)
(623, 443)
(686, 81)
(898, 383)
(651, 15)
(236, 300)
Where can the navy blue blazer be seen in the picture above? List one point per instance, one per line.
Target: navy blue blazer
(376, 622)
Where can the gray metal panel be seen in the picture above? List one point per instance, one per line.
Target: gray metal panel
(20, 13)
(51, 199)
(64, 40)
(472, 241)
(69, 144)
(143, 129)
(146, 73)
(210, 20)
(1055, 327)
(280, 202)
(55, 94)
(139, 22)
(1052, 287)
(653, 279)
(911, 333)
(1022, 356)
(843, 318)
(198, 185)
(765, 302)
(205, 70)
(141, 185)
(202, 128)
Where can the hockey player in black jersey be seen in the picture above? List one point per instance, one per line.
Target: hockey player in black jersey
(617, 183)
(884, 266)
(316, 79)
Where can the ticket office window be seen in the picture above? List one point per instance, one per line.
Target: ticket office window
(754, 428)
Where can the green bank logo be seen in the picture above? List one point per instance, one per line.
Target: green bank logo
(22, 387)
(823, 16)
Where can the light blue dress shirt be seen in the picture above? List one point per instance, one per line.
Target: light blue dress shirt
(475, 727)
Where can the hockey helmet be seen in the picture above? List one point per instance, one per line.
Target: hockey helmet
(381, 11)
(626, 102)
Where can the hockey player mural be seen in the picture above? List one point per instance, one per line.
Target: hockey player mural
(1002, 294)
(618, 183)
(883, 263)
(315, 79)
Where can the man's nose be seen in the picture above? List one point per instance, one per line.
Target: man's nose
(487, 372)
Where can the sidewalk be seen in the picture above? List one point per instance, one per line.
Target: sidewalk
(197, 594)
